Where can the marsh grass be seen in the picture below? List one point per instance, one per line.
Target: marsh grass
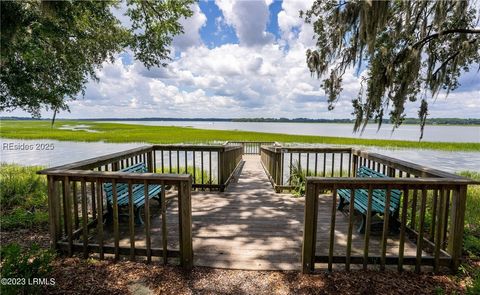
(114, 132)
(23, 197)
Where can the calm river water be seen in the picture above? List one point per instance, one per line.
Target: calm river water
(404, 132)
(64, 152)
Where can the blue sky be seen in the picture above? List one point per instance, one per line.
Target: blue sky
(237, 59)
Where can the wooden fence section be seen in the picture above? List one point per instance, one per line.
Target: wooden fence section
(443, 248)
(432, 205)
(211, 166)
(78, 206)
(327, 162)
(78, 210)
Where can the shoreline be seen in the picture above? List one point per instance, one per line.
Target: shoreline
(134, 133)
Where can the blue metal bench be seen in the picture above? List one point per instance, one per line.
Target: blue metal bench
(138, 193)
(378, 199)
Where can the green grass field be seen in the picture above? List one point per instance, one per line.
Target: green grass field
(113, 132)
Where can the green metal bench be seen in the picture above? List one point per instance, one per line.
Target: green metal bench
(138, 193)
(378, 199)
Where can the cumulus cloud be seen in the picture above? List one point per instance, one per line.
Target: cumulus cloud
(191, 28)
(259, 77)
(249, 18)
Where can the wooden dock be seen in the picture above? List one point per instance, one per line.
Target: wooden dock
(251, 227)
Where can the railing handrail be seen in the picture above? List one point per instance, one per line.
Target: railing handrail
(279, 149)
(191, 147)
(100, 160)
(120, 176)
(356, 182)
(404, 165)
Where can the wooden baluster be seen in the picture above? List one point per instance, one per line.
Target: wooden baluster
(403, 225)
(367, 227)
(386, 215)
(186, 162)
(445, 213)
(163, 161)
(421, 229)
(324, 164)
(350, 229)
(316, 164)
(332, 228)
(201, 164)
(290, 175)
(414, 209)
(94, 200)
(100, 217)
(83, 188)
(115, 219)
(68, 214)
(131, 221)
(195, 169)
(75, 204)
(350, 164)
(308, 162)
(210, 167)
(434, 215)
(333, 164)
(147, 222)
(438, 232)
(164, 223)
(341, 164)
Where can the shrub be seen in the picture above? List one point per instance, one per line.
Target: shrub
(23, 197)
(298, 179)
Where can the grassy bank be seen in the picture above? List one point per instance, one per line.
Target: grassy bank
(113, 132)
(23, 197)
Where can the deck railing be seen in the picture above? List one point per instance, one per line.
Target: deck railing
(211, 166)
(441, 248)
(78, 205)
(431, 214)
(78, 211)
(279, 162)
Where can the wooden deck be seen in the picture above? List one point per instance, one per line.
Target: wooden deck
(252, 227)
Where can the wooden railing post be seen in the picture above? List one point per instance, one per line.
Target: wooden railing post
(221, 169)
(354, 165)
(150, 161)
(457, 220)
(277, 167)
(310, 228)
(185, 223)
(54, 211)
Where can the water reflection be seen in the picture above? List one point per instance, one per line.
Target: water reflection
(66, 152)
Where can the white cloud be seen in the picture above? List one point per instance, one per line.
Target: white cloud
(191, 28)
(249, 18)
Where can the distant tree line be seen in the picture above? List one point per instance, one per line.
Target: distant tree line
(430, 121)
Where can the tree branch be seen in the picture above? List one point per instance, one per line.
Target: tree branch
(451, 57)
(442, 33)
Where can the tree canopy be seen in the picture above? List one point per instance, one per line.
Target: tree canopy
(49, 50)
(410, 50)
